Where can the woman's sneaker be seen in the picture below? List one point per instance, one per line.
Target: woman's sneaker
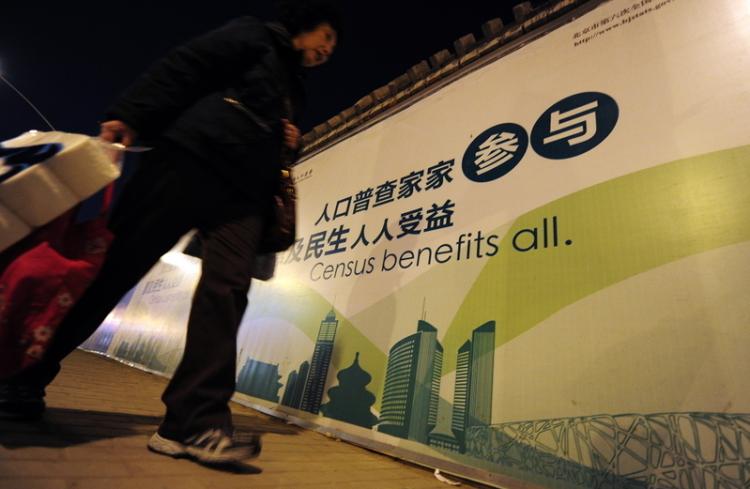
(210, 447)
(20, 402)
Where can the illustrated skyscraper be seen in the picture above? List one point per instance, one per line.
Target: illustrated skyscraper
(291, 383)
(321, 360)
(472, 397)
(412, 385)
(295, 384)
(461, 393)
(479, 411)
(259, 379)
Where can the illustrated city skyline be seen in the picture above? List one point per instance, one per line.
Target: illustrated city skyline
(305, 386)
(411, 392)
(410, 395)
(411, 403)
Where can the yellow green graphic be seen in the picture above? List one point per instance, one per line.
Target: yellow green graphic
(617, 229)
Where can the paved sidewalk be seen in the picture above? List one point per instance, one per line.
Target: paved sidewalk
(101, 414)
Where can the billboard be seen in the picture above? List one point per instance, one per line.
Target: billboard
(538, 272)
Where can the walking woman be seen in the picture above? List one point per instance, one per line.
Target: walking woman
(219, 110)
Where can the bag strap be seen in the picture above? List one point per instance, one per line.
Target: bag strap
(107, 198)
(288, 155)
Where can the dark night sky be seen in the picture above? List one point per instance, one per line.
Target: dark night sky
(72, 58)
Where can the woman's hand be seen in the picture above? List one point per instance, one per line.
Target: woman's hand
(117, 132)
(291, 135)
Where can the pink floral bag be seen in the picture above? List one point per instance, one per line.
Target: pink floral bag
(40, 280)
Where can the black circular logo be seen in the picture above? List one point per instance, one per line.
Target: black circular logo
(574, 125)
(495, 152)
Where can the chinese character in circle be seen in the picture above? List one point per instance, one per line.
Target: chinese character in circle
(577, 125)
(495, 150)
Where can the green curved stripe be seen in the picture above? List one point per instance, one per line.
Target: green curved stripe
(618, 229)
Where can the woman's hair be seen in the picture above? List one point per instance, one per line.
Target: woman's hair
(305, 15)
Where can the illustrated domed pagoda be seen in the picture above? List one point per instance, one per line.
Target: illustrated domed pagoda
(349, 401)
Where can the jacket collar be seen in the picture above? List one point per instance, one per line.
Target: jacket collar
(283, 40)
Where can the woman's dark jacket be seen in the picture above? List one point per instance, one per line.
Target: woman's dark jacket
(222, 97)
